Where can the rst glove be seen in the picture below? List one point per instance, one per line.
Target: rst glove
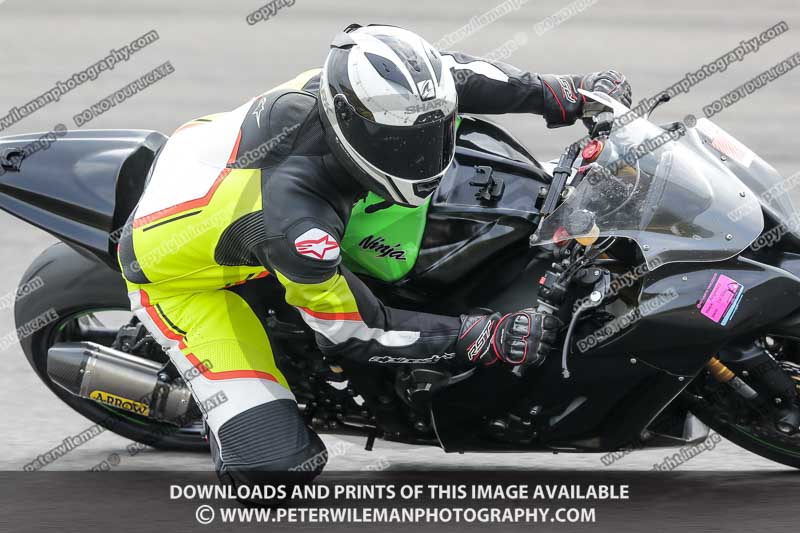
(610, 82)
(563, 104)
(523, 337)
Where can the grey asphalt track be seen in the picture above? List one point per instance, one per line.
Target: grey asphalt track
(220, 61)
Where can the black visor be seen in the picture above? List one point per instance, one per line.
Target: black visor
(415, 152)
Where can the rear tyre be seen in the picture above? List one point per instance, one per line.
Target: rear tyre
(75, 286)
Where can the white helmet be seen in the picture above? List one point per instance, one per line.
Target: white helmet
(388, 107)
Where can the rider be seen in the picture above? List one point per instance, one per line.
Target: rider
(267, 189)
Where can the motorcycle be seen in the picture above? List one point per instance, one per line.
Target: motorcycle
(647, 241)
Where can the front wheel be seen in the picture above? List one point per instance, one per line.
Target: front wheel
(80, 299)
(724, 411)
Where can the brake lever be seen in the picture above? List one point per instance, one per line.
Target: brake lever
(603, 122)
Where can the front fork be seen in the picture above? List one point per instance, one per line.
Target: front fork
(766, 387)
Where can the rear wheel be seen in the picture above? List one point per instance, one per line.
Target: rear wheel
(91, 304)
(727, 413)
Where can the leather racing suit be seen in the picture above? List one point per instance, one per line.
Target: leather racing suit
(253, 193)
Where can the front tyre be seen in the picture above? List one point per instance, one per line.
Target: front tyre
(723, 410)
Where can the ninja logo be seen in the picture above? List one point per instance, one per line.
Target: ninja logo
(379, 246)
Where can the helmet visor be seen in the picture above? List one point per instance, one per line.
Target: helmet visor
(416, 152)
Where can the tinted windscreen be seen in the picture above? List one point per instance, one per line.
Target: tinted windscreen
(673, 200)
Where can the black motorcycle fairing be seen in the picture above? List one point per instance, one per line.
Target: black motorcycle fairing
(605, 404)
(616, 388)
(789, 326)
(676, 336)
(83, 187)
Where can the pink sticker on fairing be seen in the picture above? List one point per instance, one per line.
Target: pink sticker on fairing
(721, 299)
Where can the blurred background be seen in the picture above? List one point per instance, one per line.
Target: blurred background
(220, 61)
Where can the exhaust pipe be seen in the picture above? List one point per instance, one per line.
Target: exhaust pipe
(118, 379)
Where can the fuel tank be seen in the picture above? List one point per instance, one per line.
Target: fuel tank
(485, 205)
(481, 215)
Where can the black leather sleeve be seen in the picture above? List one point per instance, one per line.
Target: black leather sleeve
(492, 87)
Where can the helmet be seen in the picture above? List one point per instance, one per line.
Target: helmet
(388, 107)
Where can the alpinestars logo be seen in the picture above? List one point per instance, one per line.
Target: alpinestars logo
(566, 88)
(317, 244)
(379, 246)
(388, 359)
(258, 110)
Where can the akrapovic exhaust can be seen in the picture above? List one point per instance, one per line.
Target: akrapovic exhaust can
(117, 379)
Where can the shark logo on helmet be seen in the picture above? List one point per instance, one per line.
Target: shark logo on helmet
(426, 89)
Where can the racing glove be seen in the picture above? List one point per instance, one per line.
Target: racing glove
(564, 104)
(610, 82)
(523, 337)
